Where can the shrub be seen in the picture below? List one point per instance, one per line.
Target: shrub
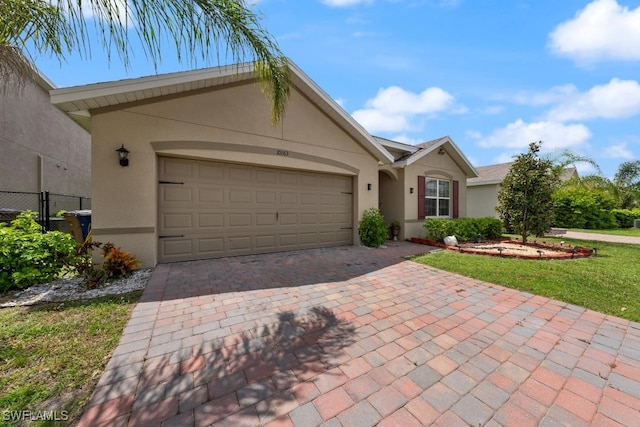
(118, 263)
(373, 230)
(465, 229)
(625, 217)
(28, 256)
(576, 207)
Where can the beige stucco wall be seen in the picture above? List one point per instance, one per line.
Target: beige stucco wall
(40, 147)
(482, 201)
(229, 124)
(432, 165)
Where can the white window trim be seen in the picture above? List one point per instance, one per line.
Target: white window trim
(438, 198)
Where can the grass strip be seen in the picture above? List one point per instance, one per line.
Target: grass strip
(608, 283)
(52, 355)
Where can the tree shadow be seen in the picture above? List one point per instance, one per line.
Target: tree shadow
(249, 377)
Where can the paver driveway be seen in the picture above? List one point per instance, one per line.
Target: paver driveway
(355, 337)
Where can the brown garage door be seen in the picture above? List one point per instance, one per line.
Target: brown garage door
(212, 209)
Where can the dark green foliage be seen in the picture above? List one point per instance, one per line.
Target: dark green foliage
(28, 256)
(465, 229)
(525, 204)
(373, 230)
(625, 217)
(579, 207)
(627, 179)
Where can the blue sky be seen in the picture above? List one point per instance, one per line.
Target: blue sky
(493, 74)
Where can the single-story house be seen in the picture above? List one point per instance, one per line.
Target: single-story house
(210, 176)
(42, 148)
(482, 190)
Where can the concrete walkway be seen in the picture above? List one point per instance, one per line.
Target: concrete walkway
(602, 237)
(358, 337)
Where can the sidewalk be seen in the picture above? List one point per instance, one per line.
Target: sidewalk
(602, 237)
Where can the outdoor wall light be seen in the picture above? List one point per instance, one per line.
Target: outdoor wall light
(410, 190)
(369, 187)
(123, 154)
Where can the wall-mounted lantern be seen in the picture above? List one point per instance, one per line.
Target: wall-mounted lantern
(123, 154)
(369, 187)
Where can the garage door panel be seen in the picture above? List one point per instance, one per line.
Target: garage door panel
(226, 209)
(239, 243)
(211, 195)
(239, 197)
(176, 194)
(174, 168)
(177, 221)
(210, 172)
(266, 197)
(268, 242)
(211, 220)
(239, 174)
(177, 248)
(309, 198)
(288, 240)
(263, 219)
(239, 219)
(288, 198)
(266, 177)
(211, 246)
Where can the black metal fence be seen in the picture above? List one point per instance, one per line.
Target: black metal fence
(45, 203)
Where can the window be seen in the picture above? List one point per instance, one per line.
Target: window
(437, 197)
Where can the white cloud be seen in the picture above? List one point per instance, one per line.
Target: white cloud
(554, 136)
(343, 3)
(614, 100)
(394, 109)
(377, 121)
(552, 96)
(603, 30)
(618, 151)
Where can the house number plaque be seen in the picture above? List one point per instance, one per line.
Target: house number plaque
(282, 153)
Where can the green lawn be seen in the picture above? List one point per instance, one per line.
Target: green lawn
(52, 356)
(608, 283)
(635, 232)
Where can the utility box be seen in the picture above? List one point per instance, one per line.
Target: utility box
(636, 223)
(79, 224)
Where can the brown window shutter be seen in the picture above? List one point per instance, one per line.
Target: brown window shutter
(456, 193)
(421, 200)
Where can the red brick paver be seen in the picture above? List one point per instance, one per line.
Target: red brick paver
(353, 336)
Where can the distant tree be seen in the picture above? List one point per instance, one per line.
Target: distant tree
(525, 202)
(627, 180)
(200, 30)
(565, 158)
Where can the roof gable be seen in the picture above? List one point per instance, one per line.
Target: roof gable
(445, 145)
(495, 174)
(78, 101)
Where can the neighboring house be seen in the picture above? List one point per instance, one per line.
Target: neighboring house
(426, 180)
(41, 148)
(210, 176)
(482, 191)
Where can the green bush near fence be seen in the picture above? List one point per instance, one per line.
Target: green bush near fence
(465, 229)
(28, 256)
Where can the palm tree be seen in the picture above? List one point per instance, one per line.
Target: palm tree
(199, 30)
(627, 179)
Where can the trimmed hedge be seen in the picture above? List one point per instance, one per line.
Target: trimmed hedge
(465, 229)
(625, 217)
(583, 208)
